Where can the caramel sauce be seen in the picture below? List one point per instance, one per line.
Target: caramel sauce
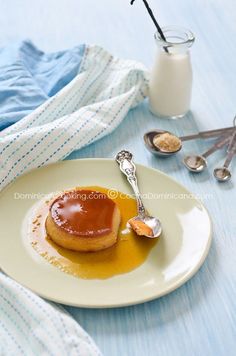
(83, 212)
(128, 253)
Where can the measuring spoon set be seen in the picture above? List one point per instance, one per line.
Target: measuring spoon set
(226, 137)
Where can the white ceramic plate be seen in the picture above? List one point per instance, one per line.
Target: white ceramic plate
(178, 255)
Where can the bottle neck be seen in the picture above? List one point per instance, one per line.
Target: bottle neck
(177, 40)
(173, 51)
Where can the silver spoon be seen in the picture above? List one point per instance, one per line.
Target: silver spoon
(124, 159)
(222, 174)
(149, 139)
(197, 163)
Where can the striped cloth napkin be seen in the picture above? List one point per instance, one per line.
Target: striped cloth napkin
(81, 95)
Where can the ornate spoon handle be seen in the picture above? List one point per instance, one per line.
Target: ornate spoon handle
(124, 159)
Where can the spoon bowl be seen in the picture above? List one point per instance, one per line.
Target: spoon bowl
(146, 225)
(195, 163)
(222, 174)
(149, 143)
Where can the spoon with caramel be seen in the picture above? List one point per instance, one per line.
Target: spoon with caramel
(143, 224)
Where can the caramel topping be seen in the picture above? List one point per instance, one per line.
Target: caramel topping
(83, 212)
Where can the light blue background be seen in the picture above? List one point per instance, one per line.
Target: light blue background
(198, 318)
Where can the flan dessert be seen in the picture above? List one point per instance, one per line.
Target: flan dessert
(125, 255)
(83, 220)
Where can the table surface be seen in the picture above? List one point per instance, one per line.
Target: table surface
(199, 317)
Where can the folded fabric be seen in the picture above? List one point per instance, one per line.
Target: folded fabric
(88, 108)
(84, 95)
(28, 77)
(31, 326)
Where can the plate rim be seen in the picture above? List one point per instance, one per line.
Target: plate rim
(168, 290)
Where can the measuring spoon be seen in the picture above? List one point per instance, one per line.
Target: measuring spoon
(197, 163)
(222, 174)
(149, 139)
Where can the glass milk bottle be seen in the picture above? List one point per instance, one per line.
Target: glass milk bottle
(170, 85)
